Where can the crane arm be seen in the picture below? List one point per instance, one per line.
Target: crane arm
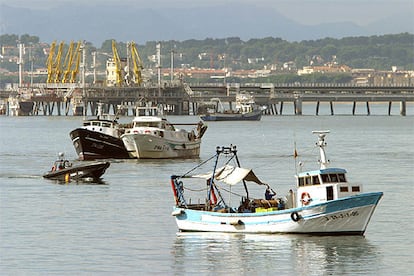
(117, 64)
(75, 70)
(68, 62)
(57, 63)
(49, 62)
(138, 66)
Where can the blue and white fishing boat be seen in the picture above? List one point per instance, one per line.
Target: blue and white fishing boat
(322, 203)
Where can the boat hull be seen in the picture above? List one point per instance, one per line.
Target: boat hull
(145, 146)
(21, 108)
(345, 216)
(79, 172)
(91, 145)
(251, 116)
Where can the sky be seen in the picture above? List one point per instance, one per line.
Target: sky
(308, 12)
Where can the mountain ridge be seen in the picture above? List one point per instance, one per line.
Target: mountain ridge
(73, 22)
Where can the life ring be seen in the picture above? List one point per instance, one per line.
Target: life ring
(295, 216)
(305, 198)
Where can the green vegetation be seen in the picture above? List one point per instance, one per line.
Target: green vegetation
(374, 52)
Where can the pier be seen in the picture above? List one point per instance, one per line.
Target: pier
(184, 99)
(274, 96)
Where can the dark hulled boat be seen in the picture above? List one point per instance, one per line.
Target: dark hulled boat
(99, 138)
(63, 170)
(92, 171)
(91, 144)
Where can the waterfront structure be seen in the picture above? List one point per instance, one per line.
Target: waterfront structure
(183, 99)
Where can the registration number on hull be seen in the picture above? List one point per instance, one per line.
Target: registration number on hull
(162, 148)
(342, 216)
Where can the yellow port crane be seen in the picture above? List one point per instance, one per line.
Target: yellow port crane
(75, 70)
(49, 62)
(53, 63)
(137, 62)
(68, 63)
(117, 62)
(57, 63)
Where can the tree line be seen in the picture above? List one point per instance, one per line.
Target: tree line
(374, 52)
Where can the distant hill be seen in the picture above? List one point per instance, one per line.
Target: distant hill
(142, 25)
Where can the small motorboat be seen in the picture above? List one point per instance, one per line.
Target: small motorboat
(65, 171)
(322, 203)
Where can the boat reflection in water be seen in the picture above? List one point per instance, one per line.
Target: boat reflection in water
(284, 254)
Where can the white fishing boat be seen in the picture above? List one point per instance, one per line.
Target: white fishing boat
(246, 110)
(322, 203)
(153, 136)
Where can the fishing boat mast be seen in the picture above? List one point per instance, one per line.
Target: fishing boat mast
(322, 144)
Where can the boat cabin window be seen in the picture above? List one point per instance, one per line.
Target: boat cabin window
(86, 123)
(325, 178)
(333, 177)
(356, 189)
(106, 124)
(341, 177)
(307, 180)
(95, 123)
(147, 124)
(343, 189)
(315, 180)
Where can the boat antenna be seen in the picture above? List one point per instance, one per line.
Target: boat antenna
(322, 144)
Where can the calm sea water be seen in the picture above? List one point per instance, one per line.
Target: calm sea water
(124, 226)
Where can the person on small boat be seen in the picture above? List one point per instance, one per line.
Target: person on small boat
(61, 163)
(269, 193)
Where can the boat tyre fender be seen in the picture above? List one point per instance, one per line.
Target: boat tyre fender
(295, 216)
